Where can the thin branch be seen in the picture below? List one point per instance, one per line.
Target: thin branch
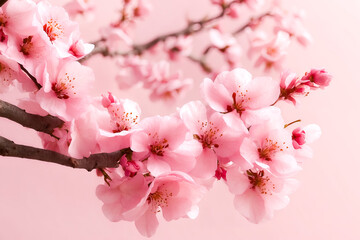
(191, 28)
(202, 63)
(100, 160)
(45, 124)
(252, 21)
(30, 76)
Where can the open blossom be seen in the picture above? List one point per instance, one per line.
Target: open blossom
(174, 194)
(123, 194)
(258, 193)
(10, 71)
(31, 51)
(123, 116)
(17, 16)
(57, 27)
(244, 99)
(270, 147)
(132, 70)
(163, 84)
(162, 140)
(65, 89)
(214, 136)
(273, 52)
(80, 7)
(291, 22)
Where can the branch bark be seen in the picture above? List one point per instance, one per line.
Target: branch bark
(99, 160)
(45, 124)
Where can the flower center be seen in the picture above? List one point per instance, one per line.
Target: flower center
(26, 46)
(209, 135)
(159, 146)
(260, 181)
(239, 100)
(123, 120)
(3, 20)
(64, 87)
(268, 149)
(53, 29)
(159, 199)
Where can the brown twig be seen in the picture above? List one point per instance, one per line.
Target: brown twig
(252, 21)
(99, 160)
(45, 124)
(30, 76)
(138, 49)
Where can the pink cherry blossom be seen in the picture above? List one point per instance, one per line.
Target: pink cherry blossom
(243, 99)
(57, 27)
(132, 70)
(131, 167)
(123, 194)
(291, 22)
(162, 139)
(10, 71)
(65, 89)
(270, 147)
(273, 52)
(174, 194)
(123, 116)
(301, 138)
(17, 17)
(80, 7)
(61, 142)
(317, 78)
(215, 137)
(258, 193)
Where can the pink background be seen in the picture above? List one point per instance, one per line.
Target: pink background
(46, 201)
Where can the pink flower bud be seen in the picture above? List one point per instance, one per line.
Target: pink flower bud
(298, 137)
(319, 77)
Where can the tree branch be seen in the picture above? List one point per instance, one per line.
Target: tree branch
(252, 21)
(2, 2)
(100, 160)
(45, 124)
(191, 28)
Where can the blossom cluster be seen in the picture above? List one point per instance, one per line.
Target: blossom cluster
(236, 134)
(268, 48)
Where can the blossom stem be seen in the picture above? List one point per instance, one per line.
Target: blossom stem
(99, 160)
(286, 125)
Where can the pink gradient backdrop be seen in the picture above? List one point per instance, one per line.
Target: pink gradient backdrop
(45, 201)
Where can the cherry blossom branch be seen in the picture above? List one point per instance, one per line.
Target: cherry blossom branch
(100, 160)
(2, 2)
(138, 49)
(45, 124)
(251, 22)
